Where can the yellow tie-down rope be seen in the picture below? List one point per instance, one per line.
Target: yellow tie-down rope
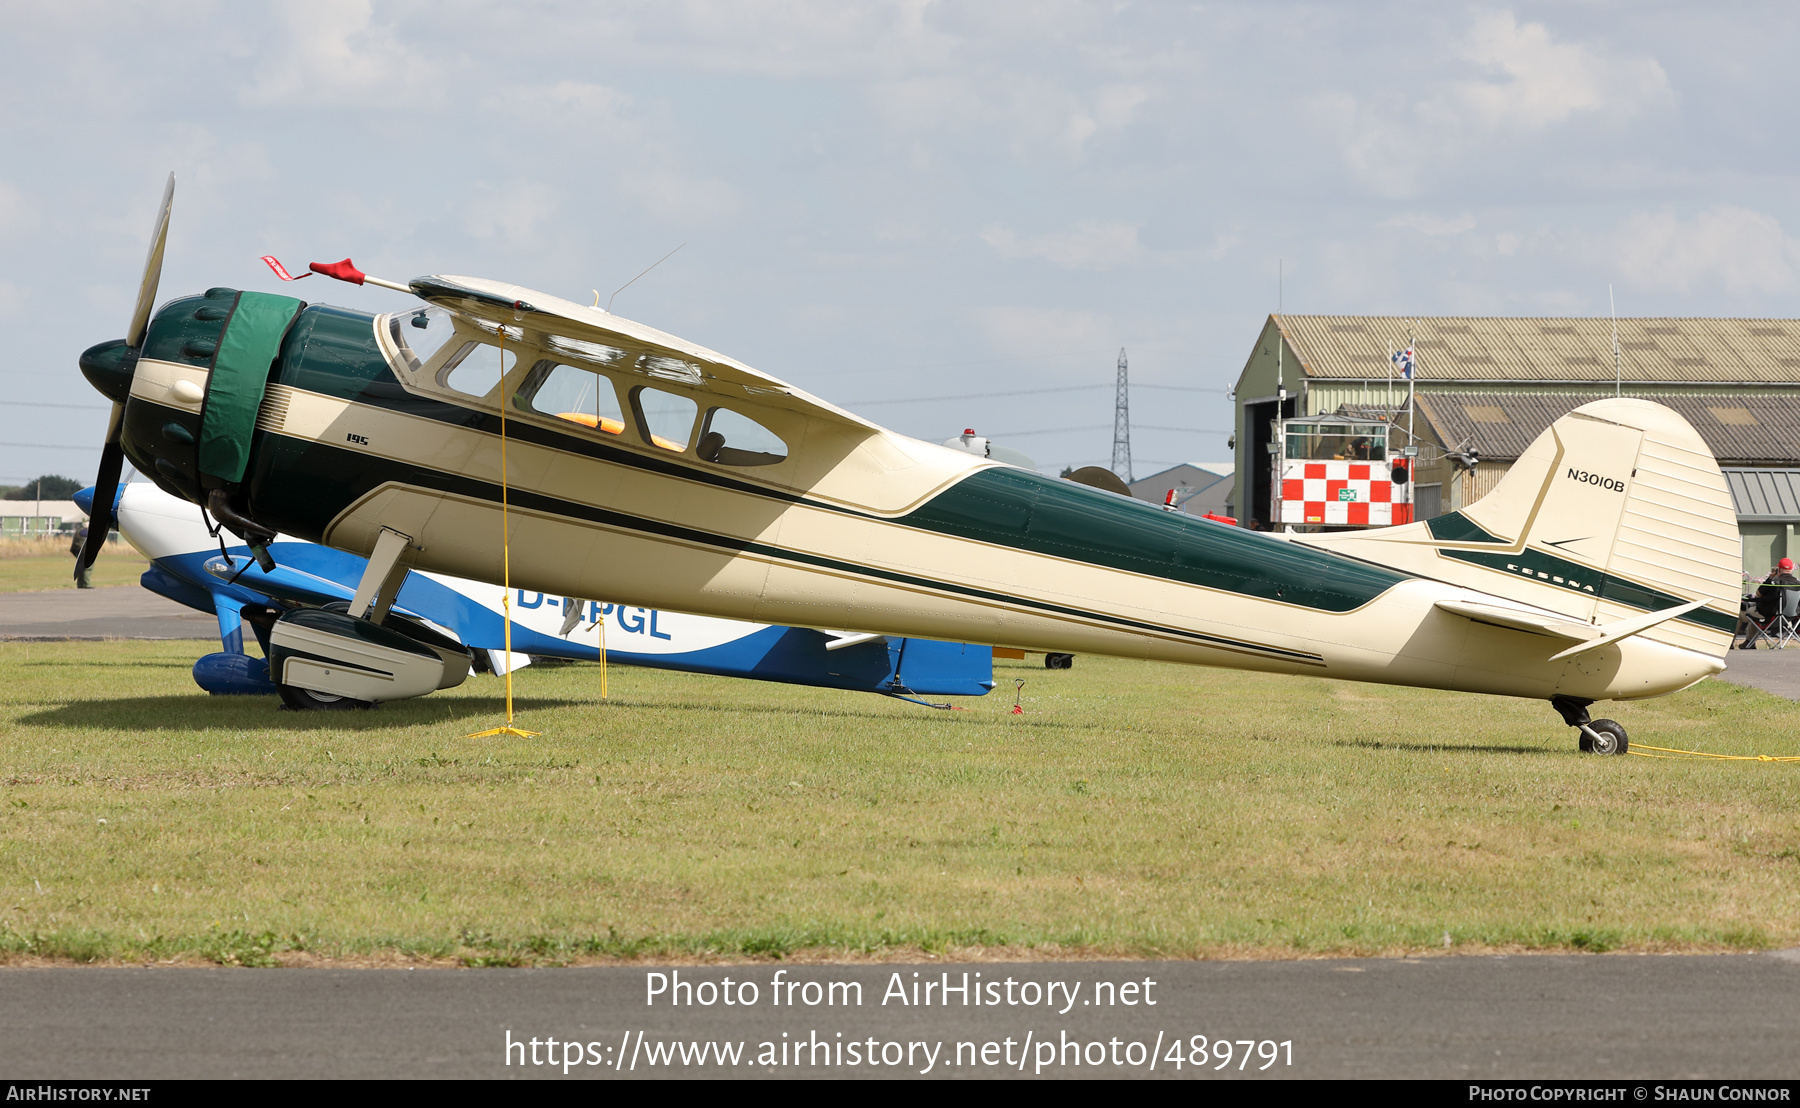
(505, 565)
(1665, 752)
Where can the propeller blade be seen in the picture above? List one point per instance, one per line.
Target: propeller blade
(106, 490)
(146, 301)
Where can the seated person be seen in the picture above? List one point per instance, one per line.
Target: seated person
(1768, 596)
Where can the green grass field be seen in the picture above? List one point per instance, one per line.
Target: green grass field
(28, 565)
(1133, 810)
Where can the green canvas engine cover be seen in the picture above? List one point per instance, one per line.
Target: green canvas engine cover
(240, 372)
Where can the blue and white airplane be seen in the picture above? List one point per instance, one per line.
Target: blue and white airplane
(188, 565)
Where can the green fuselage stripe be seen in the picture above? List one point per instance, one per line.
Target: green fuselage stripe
(1022, 510)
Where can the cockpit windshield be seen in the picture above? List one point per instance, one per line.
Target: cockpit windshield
(420, 334)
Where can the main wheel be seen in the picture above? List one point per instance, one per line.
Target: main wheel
(1608, 738)
(306, 700)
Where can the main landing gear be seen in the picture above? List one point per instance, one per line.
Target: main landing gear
(1598, 736)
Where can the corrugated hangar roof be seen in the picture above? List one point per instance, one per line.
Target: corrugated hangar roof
(1737, 428)
(1476, 348)
(1763, 495)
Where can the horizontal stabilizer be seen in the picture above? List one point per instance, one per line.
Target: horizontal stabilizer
(1535, 623)
(1625, 628)
(1586, 636)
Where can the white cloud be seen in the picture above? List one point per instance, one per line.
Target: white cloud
(512, 214)
(1093, 244)
(1537, 82)
(577, 106)
(1431, 225)
(679, 198)
(335, 53)
(14, 211)
(1035, 331)
(1112, 108)
(1022, 111)
(1741, 251)
(1501, 79)
(774, 38)
(1222, 245)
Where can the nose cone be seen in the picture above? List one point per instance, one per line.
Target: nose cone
(108, 366)
(85, 500)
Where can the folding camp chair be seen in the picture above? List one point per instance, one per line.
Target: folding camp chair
(1787, 624)
(1780, 628)
(1756, 625)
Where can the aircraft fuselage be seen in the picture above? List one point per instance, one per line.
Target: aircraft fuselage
(855, 529)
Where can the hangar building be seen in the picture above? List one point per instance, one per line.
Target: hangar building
(1492, 385)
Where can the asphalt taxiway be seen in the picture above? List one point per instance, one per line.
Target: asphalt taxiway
(1629, 1017)
(111, 612)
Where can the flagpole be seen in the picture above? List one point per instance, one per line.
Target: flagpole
(1618, 372)
(1412, 373)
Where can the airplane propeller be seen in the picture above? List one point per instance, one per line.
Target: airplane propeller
(112, 456)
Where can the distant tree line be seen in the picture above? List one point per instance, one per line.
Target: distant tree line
(50, 486)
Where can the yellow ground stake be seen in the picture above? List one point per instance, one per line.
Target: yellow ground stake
(505, 565)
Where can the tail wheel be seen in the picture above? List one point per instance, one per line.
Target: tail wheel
(1059, 661)
(306, 700)
(1604, 736)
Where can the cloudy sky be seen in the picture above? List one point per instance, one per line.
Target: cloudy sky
(904, 207)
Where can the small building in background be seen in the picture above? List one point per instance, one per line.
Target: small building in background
(1768, 511)
(1487, 387)
(23, 518)
(1201, 488)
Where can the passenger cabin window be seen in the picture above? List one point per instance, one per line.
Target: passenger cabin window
(732, 439)
(476, 368)
(570, 392)
(667, 418)
(420, 335)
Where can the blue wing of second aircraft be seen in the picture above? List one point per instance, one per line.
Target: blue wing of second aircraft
(308, 573)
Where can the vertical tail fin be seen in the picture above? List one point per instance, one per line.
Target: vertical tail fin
(1617, 509)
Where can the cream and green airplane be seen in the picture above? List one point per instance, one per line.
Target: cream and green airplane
(638, 464)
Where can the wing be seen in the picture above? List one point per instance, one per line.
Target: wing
(614, 340)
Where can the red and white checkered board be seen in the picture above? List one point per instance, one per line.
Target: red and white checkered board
(1354, 494)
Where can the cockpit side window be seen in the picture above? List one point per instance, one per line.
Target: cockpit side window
(419, 335)
(731, 438)
(667, 418)
(476, 368)
(578, 395)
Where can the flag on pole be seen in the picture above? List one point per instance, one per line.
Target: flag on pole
(1403, 359)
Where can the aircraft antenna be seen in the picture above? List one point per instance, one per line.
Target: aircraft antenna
(1121, 460)
(633, 281)
(506, 553)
